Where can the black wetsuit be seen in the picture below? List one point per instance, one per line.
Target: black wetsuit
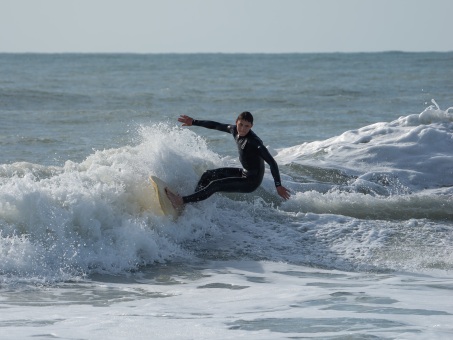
(252, 154)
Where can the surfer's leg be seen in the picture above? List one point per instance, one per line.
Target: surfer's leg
(215, 174)
(206, 179)
(230, 184)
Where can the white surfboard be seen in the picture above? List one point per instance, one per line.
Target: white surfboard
(165, 204)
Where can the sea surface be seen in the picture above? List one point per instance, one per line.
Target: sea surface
(362, 250)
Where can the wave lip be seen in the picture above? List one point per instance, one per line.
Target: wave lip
(408, 155)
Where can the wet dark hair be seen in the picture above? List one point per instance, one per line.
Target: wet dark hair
(247, 116)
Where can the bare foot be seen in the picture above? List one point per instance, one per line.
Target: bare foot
(175, 199)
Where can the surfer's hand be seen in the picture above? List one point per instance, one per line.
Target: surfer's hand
(185, 120)
(283, 192)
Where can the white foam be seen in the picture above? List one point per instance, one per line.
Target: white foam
(96, 216)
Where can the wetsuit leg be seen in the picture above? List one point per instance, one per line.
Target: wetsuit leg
(215, 174)
(223, 179)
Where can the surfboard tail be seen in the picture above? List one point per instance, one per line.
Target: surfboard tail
(167, 207)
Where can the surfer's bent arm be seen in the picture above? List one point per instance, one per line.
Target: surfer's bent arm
(264, 153)
(281, 190)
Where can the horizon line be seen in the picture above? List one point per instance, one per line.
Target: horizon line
(229, 53)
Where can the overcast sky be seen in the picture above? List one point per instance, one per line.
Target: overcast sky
(228, 26)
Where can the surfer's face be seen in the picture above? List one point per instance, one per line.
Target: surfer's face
(243, 127)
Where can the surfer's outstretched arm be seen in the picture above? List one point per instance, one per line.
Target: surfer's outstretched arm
(209, 124)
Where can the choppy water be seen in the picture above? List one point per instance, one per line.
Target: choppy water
(362, 250)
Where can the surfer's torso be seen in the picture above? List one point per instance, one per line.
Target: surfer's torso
(252, 152)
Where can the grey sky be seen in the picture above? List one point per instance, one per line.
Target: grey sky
(229, 26)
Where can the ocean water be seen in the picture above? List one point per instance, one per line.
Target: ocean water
(362, 250)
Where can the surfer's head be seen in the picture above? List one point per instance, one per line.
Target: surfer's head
(244, 123)
(247, 116)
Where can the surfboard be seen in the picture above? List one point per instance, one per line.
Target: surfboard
(164, 202)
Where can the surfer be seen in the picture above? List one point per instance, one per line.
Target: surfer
(252, 155)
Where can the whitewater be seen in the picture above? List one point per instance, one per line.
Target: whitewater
(362, 250)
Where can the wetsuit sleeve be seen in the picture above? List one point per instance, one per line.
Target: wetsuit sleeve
(209, 124)
(264, 153)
